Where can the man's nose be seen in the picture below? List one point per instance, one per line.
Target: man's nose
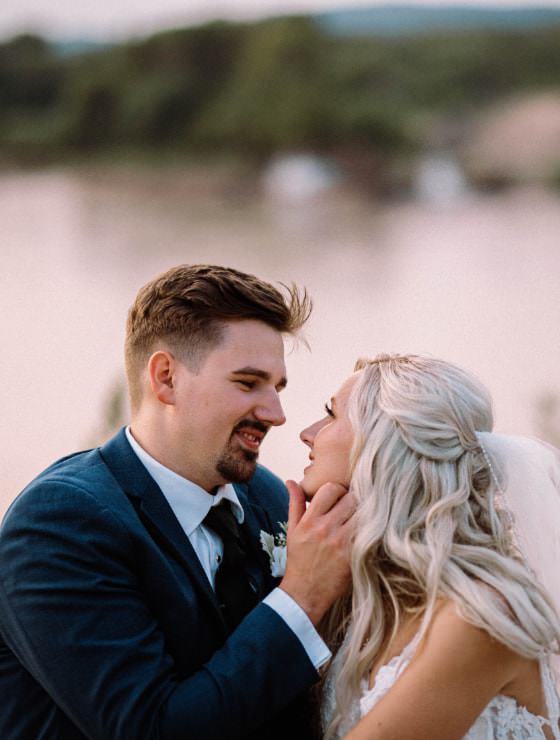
(271, 412)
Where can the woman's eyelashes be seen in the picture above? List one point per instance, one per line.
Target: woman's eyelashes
(329, 410)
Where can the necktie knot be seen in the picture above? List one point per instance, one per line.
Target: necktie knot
(221, 520)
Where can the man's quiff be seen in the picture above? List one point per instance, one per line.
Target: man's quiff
(185, 310)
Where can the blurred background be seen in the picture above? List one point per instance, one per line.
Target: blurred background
(402, 162)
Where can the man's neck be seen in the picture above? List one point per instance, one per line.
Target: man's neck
(154, 439)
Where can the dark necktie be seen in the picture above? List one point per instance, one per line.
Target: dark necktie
(234, 592)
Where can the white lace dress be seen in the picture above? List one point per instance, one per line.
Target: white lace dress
(502, 718)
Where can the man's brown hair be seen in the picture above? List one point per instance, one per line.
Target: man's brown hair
(185, 308)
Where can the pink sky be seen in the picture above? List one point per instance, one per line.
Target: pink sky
(68, 18)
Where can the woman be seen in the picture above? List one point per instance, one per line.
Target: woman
(449, 632)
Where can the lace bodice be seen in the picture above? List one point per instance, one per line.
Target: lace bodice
(502, 718)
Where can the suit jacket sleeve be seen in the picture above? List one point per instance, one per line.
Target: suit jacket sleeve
(72, 611)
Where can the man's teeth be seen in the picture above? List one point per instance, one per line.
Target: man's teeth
(250, 437)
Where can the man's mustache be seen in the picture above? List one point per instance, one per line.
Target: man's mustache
(249, 424)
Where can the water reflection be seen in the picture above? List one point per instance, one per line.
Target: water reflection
(476, 282)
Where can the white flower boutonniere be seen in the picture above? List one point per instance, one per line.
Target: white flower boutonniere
(275, 547)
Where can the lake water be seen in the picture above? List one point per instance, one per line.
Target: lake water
(472, 279)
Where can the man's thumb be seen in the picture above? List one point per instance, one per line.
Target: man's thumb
(297, 503)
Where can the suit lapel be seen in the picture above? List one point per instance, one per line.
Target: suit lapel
(155, 512)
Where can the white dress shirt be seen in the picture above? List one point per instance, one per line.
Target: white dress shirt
(191, 504)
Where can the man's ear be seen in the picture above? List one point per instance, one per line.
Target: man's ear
(161, 374)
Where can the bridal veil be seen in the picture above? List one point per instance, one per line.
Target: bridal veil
(526, 473)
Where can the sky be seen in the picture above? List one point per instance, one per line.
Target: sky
(106, 19)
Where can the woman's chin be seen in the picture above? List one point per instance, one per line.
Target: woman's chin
(311, 484)
(308, 488)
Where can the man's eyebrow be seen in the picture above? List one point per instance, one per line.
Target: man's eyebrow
(262, 374)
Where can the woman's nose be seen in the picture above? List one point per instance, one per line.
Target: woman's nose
(305, 438)
(308, 435)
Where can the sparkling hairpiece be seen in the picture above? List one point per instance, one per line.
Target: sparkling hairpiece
(489, 464)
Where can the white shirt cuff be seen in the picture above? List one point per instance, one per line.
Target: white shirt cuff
(300, 624)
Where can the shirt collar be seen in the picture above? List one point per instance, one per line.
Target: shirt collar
(190, 503)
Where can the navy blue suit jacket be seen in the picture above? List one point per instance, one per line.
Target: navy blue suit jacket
(109, 628)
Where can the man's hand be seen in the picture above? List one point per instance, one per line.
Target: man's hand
(317, 569)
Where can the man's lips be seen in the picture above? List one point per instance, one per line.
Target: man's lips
(251, 435)
(250, 439)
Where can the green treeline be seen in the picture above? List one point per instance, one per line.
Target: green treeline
(253, 89)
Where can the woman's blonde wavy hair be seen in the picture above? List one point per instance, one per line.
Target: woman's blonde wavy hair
(427, 524)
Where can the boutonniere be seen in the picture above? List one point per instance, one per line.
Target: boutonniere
(275, 547)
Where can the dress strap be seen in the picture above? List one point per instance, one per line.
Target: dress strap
(410, 648)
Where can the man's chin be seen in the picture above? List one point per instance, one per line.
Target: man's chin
(238, 475)
(238, 468)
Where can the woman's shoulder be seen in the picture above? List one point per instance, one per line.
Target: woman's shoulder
(451, 638)
(455, 670)
(449, 627)
(470, 656)
(454, 645)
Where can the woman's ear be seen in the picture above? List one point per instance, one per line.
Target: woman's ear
(161, 374)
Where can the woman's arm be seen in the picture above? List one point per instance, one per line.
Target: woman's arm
(455, 672)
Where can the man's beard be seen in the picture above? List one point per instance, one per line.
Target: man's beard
(236, 464)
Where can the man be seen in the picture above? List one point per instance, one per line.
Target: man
(135, 598)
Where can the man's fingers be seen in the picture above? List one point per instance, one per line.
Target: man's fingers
(326, 497)
(317, 570)
(347, 529)
(297, 503)
(344, 509)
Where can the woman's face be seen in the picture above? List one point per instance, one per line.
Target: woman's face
(330, 441)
